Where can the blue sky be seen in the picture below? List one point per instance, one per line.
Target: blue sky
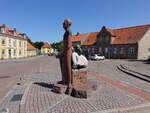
(42, 20)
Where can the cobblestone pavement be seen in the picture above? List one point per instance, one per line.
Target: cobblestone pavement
(12, 71)
(109, 69)
(34, 95)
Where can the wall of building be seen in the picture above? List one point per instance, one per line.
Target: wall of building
(47, 50)
(118, 51)
(12, 48)
(31, 53)
(144, 46)
(128, 51)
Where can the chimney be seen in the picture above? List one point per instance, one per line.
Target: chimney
(15, 29)
(3, 25)
(77, 33)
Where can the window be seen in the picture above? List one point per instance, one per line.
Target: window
(3, 41)
(14, 33)
(100, 49)
(3, 51)
(19, 43)
(92, 50)
(106, 50)
(115, 50)
(121, 50)
(131, 50)
(1, 29)
(19, 52)
(107, 39)
(9, 42)
(24, 44)
(14, 52)
(15, 43)
(88, 50)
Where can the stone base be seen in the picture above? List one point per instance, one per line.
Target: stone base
(81, 87)
(78, 91)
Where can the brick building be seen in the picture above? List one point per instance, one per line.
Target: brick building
(78, 39)
(130, 43)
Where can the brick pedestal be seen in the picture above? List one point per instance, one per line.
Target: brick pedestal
(79, 76)
(79, 82)
(81, 87)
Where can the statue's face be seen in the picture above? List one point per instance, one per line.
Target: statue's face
(65, 25)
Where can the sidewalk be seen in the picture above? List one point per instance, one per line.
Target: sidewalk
(139, 66)
(34, 95)
(19, 59)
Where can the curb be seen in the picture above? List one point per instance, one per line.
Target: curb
(133, 73)
(21, 59)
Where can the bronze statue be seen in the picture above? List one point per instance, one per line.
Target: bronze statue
(66, 55)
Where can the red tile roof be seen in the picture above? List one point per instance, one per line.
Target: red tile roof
(8, 31)
(46, 45)
(91, 39)
(129, 35)
(30, 47)
(77, 38)
(122, 36)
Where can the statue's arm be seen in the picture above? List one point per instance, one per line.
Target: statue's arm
(69, 42)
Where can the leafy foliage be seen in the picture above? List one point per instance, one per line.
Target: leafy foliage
(38, 45)
(29, 40)
(58, 46)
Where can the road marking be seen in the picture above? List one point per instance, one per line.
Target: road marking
(130, 89)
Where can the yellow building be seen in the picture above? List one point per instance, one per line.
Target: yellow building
(46, 49)
(12, 44)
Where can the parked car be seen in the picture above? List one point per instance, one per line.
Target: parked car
(96, 57)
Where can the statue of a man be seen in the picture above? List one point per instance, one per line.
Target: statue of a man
(67, 52)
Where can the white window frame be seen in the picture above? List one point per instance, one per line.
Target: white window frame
(122, 50)
(115, 51)
(131, 50)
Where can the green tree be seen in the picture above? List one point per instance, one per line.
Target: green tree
(38, 44)
(58, 46)
(29, 40)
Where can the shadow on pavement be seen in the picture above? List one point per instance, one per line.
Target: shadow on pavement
(53, 88)
(43, 84)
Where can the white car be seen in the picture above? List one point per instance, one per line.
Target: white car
(96, 57)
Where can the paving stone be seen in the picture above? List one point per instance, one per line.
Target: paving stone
(40, 99)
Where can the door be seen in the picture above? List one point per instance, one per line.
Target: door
(9, 53)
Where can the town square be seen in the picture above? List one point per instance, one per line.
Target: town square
(64, 57)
